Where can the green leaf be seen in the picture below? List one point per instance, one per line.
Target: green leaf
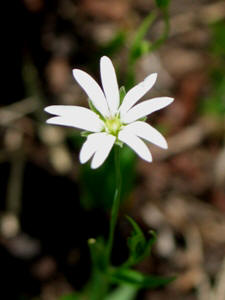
(137, 240)
(138, 245)
(162, 3)
(217, 38)
(143, 119)
(214, 104)
(94, 109)
(72, 296)
(93, 198)
(139, 45)
(114, 45)
(122, 93)
(123, 292)
(135, 278)
(144, 47)
(85, 133)
(98, 252)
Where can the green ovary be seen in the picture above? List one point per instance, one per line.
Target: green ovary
(113, 125)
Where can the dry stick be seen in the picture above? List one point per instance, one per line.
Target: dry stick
(17, 110)
(15, 183)
(188, 138)
(9, 114)
(219, 289)
(194, 243)
(14, 192)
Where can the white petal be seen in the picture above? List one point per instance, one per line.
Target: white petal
(89, 147)
(76, 111)
(93, 91)
(136, 144)
(99, 145)
(70, 122)
(147, 132)
(106, 143)
(110, 85)
(137, 92)
(75, 116)
(145, 108)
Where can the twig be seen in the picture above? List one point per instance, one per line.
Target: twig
(188, 138)
(219, 289)
(15, 111)
(194, 243)
(15, 183)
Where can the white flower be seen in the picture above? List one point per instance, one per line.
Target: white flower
(110, 122)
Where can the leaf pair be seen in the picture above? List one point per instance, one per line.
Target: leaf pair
(139, 246)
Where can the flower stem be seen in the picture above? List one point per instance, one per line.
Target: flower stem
(115, 206)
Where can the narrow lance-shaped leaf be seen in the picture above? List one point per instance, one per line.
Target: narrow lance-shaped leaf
(122, 93)
(97, 249)
(94, 109)
(138, 245)
(138, 48)
(137, 45)
(135, 278)
(123, 292)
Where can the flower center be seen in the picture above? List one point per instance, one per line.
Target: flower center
(113, 125)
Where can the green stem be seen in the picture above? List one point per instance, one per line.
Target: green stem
(164, 34)
(99, 285)
(115, 206)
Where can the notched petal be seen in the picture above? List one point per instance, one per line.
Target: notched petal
(146, 108)
(136, 144)
(98, 146)
(137, 92)
(105, 145)
(148, 133)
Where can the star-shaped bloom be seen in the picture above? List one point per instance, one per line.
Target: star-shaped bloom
(108, 122)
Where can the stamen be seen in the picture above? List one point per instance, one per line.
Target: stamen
(113, 125)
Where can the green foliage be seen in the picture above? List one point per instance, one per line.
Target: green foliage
(94, 109)
(123, 292)
(72, 296)
(97, 287)
(122, 93)
(139, 45)
(98, 252)
(218, 38)
(143, 119)
(84, 133)
(103, 275)
(139, 246)
(135, 278)
(214, 104)
(138, 48)
(94, 197)
(162, 3)
(114, 45)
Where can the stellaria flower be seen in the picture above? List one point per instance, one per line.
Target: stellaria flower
(107, 121)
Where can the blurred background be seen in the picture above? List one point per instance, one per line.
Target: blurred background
(50, 204)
